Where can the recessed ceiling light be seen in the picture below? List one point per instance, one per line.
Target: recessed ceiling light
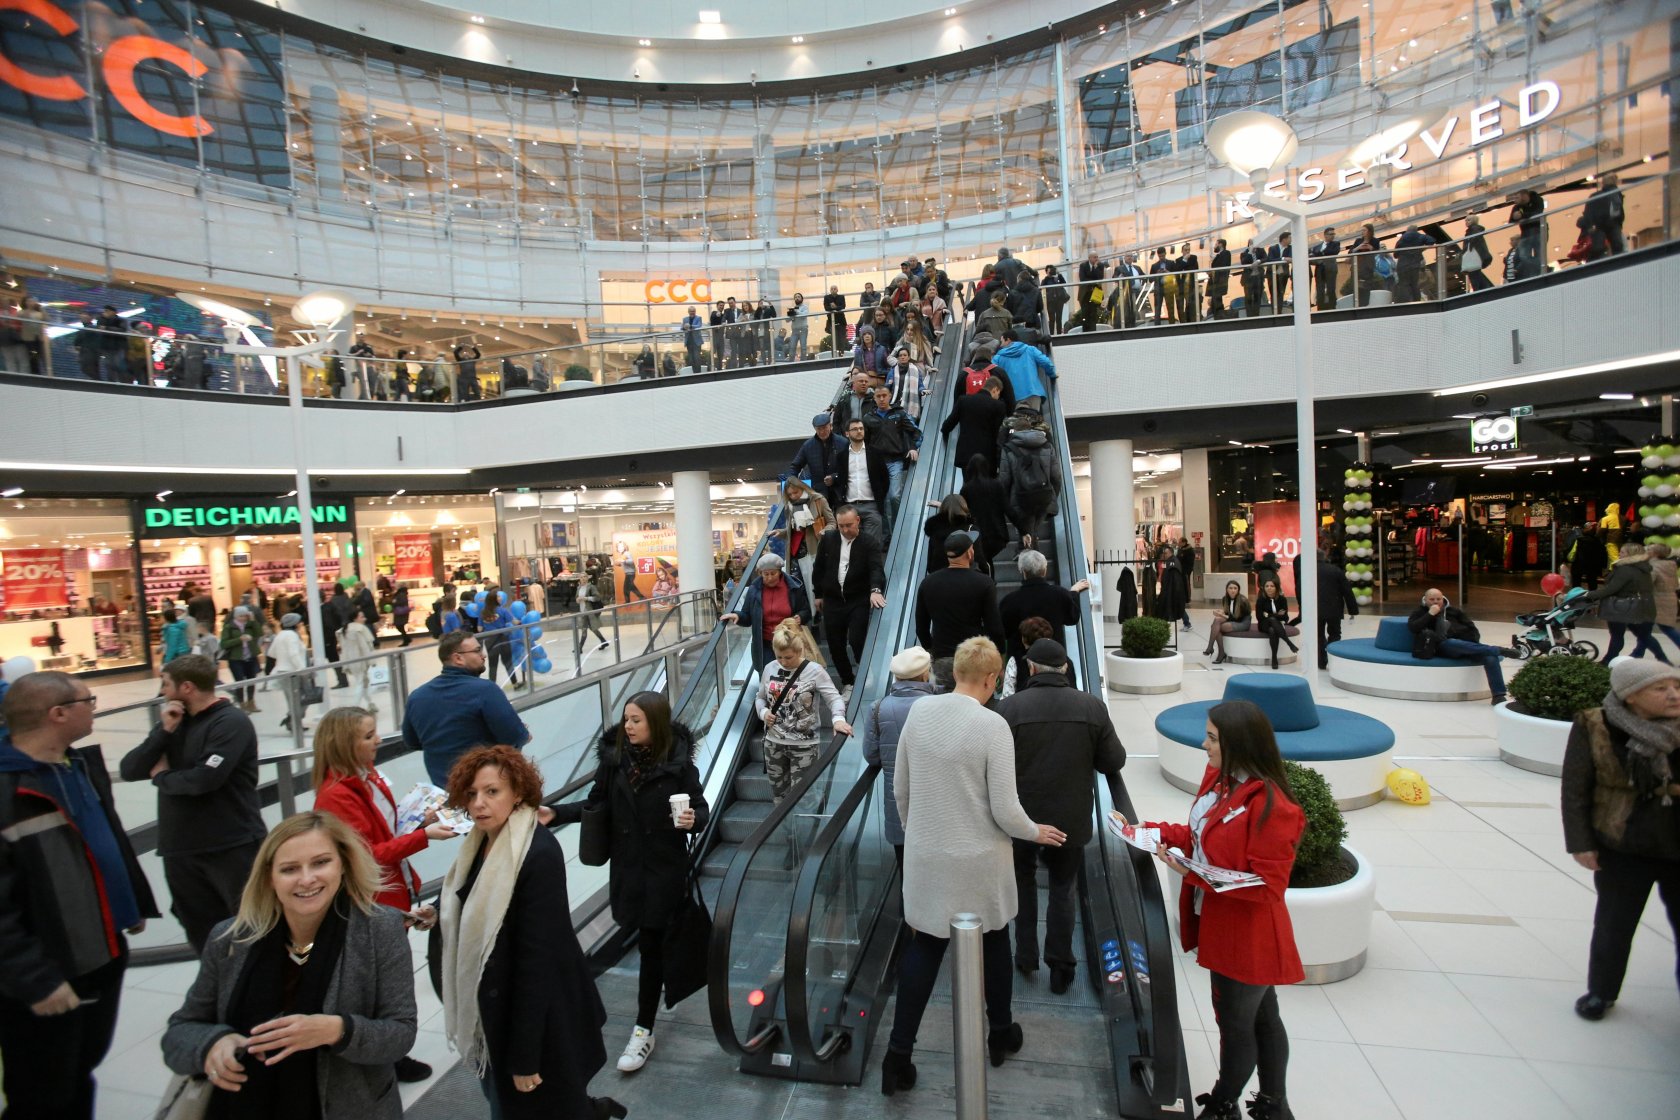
(710, 15)
(477, 19)
(950, 11)
(799, 38)
(645, 42)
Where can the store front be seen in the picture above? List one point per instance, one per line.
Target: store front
(422, 541)
(68, 576)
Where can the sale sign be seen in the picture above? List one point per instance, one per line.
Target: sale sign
(34, 579)
(414, 556)
(1277, 529)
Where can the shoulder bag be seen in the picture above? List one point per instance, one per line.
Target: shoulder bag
(185, 1098)
(787, 688)
(1471, 261)
(688, 938)
(595, 830)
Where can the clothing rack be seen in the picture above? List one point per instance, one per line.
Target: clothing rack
(1110, 562)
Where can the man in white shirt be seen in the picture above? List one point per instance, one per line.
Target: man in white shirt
(861, 479)
(848, 581)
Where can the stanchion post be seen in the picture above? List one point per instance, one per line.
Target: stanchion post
(968, 1017)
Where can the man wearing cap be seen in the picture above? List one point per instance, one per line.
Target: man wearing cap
(1440, 629)
(848, 580)
(815, 459)
(957, 603)
(1061, 734)
(1621, 814)
(912, 680)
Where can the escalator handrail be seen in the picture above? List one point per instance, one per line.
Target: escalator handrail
(1163, 995)
(936, 467)
(902, 550)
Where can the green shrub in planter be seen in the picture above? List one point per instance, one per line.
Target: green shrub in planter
(1144, 637)
(1558, 687)
(1318, 858)
(578, 373)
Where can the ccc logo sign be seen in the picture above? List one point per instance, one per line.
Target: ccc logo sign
(117, 64)
(658, 291)
(1494, 433)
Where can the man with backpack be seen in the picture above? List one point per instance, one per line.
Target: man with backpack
(1030, 473)
(1022, 364)
(982, 369)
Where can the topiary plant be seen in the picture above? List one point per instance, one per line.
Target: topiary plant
(577, 373)
(1558, 687)
(1144, 637)
(1318, 857)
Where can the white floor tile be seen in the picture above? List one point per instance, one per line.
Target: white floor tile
(1597, 1091)
(1436, 890)
(1482, 851)
(1488, 950)
(1334, 1080)
(1434, 1084)
(1537, 1019)
(1385, 1007)
(1533, 894)
(1391, 948)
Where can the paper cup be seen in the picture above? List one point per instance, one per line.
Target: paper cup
(679, 805)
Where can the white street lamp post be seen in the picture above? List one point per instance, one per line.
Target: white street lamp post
(319, 310)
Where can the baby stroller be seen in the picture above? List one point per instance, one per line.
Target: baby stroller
(1553, 630)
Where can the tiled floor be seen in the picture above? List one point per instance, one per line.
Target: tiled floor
(1477, 953)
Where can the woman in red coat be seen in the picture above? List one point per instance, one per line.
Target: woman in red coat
(1244, 819)
(349, 787)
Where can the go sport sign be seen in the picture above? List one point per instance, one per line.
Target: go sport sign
(226, 518)
(1493, 433)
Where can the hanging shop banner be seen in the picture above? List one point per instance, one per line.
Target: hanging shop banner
(414, 556)
(645, 562)
(226, 517)
(34, 579)
(1277, 529)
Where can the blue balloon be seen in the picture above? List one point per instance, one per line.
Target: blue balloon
(481, 596)
(472, 610)
(532, 615)
(534, 631)
(542, 666)
(518, 609)
(538, 651)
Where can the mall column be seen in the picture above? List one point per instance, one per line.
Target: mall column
(692, 494)
(1113, 531)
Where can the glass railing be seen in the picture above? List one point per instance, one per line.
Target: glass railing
(1435, 270)
(116, 352)
(750, 946)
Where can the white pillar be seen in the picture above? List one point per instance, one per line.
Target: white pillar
(1113, 527)
(1198, 518)
(692, 493)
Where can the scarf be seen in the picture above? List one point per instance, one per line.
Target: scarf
(1650, 745)
(270, 986)
(638, 763)
(471, 925)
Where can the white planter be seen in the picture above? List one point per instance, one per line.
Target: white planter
(1333, 924)
(1145, 675)
(1530, 742)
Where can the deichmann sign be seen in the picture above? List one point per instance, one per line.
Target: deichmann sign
(225, 518)
(1534, 103)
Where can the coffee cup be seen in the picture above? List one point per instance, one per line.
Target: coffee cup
(679, 806)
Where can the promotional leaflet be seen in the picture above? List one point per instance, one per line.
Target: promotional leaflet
(1219, 879)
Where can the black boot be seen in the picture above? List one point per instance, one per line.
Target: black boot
(1001, 1043)
(1264, 1107)
(1274, 659)
(1221, 1110)
(605, 1107)
(1293, 648)
(897, 1072)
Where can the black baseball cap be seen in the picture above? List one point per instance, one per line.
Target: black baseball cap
(960, 542)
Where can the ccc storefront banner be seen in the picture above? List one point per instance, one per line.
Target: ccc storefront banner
(414, 556)
(34, 579)
(1277, 529)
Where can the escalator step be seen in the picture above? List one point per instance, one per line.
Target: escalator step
(752, 786)
(739, 820)
(755, 747)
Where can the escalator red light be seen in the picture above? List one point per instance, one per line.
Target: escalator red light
(755, 997)
(863, 1014)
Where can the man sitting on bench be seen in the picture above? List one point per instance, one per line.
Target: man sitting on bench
(1440, 629)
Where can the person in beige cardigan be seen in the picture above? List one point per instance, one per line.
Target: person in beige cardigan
(954, 782)
(1664, 586)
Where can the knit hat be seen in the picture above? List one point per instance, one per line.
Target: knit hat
(770, 560)
(289, 620)
(960, 542)
(1047, 651)
(241, 612)
(1629, 675)
(910, 664)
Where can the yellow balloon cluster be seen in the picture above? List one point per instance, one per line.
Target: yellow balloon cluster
(1408, 786)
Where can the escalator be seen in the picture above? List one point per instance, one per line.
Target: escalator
(807, 1004)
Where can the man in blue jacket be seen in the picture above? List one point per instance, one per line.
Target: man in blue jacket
(1023, 364)
(458, 709)
(815, 458)
(70, 887)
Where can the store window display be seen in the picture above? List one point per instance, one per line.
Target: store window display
(67, 585)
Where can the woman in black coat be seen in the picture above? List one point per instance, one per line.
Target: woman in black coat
(952, 517)
(644, 761)
(518, 999)
(986, 505)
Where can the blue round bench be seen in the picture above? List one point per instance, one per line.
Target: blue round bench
(1353, 751)
(1384, 666)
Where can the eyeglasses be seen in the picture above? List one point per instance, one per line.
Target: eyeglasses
(90, 700)
(470, 649)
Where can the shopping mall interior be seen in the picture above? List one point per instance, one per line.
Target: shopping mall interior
(528, 300)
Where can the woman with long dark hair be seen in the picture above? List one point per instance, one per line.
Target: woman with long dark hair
(987, 504)
(643, 761)
(1244, 818)
(1271, 615)
(1233, 615)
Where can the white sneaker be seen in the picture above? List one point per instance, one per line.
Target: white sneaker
(636, 1052)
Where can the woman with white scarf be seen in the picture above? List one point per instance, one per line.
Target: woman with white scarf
(1621, 814)
(519, 1003)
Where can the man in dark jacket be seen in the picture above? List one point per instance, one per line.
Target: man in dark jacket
(1588, 559)
(335, 616)
(848, 581)
(854, 404)
(1408, 263)
(1440, 629)
(1055, 296)
(1031, 475)
(1602, 217)
(1219, 279)
(1091, 272)
(202, 757)
(1280, 256)
(1009, 268)
(835, 305)
(861, 481)
(70, 887)
(1335, 594)
(1187, 265)
(458, 709)
(1324, 270)
(1037, 597)
(976, 418)
(1061, 735)
(889, 429)
(957, 602)
(815, 458)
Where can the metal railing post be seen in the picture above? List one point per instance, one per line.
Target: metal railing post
(968, 1017)
(399, 685)
(294, 709)
(673, 670)
(283, 782)
(606, 703)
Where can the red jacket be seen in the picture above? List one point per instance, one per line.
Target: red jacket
(1243, 934)
(351, 799)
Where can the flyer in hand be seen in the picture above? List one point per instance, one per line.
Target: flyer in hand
(423, 798)
(1145, 839)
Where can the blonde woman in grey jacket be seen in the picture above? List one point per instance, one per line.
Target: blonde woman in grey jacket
(793, 722)
(304, 1000)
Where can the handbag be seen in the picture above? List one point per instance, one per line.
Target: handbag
(1471, 261)
(379, 674)
(310, 691)
(185, 1098)
(595, 836)
(688, 939)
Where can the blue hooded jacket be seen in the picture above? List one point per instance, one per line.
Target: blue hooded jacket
(1022, 364)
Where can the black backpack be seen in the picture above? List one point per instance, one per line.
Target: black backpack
(434, 621)
(1029, 480)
